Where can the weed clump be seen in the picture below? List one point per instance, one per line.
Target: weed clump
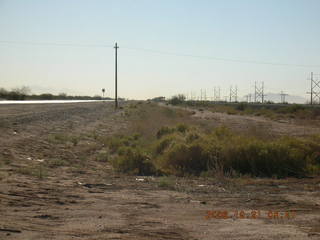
(166, 182)
(163, 131)
(134, 161)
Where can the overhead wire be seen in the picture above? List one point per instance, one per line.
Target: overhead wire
(160, 52)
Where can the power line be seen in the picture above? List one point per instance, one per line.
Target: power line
(54, 44)
(157, 52)
(221, 59)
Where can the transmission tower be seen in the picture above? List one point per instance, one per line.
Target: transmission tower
(283, 97)
(216, 94)
(248, 97)
(259, 92)
(315, 89)
(233, 96)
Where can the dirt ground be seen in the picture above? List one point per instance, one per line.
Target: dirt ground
(88, 200)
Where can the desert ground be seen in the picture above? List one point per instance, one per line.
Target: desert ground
(55, 184)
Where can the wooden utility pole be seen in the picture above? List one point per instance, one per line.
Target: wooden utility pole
(311, 92)
(116, 76)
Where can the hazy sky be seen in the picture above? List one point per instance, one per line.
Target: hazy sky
(275, 31)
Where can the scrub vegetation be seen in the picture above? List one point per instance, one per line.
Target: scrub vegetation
(185, 149)
(268, 109)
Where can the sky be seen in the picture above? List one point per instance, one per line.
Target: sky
(166, 47)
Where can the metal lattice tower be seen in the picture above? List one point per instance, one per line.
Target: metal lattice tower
(283, 97)
(216, 94)
(248, 97)
(233, 96)
(259, 92)
(314, 89)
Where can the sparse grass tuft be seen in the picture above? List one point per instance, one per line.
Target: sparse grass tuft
(166, 182)
(56, 162)
(102, 156)
(38, 171)
(61, 138)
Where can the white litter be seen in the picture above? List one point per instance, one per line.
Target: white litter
(140, 179)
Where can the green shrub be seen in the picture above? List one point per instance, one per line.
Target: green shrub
(175, 100)
(192, 136)
(163, 131)
(163, 144)
(116, 142)
(265, 159)
(183, 159)
(56, 162)
(182, 128)
(102, 156)
(134, 161)
(224, 150)
(184, 151)
(241, 106)
(166, 182)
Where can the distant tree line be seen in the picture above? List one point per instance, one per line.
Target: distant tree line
(24, 93)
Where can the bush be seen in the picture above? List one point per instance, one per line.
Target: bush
(241, 106)
(184, 151)
(175, 100)
(166, 182)
(185, 159)
(182, 127)
(163, 144)
(164, 131)
(116, 142)
(265, 159)
(222, 149)
(134, 161)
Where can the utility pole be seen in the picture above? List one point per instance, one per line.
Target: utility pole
(262, 96)
(116, 75)
(311, 92)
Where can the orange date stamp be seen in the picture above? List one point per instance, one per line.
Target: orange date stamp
(249, 214)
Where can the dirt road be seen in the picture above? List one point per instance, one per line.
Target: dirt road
(53, 185)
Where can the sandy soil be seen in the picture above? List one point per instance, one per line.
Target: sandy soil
(88, 200)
